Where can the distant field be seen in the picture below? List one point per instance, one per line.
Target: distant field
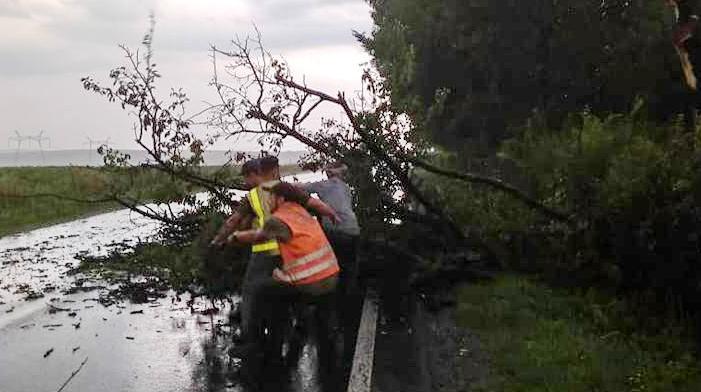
(86, 157)
(19, 214)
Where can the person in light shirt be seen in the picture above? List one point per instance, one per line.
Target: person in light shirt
(344, 238)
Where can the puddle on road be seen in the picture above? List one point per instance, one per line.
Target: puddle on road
(147, 347)
(157, 346)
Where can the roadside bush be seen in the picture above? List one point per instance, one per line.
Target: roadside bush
(635, 191)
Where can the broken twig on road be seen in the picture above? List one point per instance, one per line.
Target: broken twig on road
(73, 374)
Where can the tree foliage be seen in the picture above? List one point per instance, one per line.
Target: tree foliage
(470, 71)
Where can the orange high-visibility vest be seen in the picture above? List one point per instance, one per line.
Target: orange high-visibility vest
(307, 257)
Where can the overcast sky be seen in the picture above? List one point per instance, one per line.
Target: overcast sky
(48, 45)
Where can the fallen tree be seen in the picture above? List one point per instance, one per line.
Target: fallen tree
(259, 96)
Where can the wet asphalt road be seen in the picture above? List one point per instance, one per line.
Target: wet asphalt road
(47, 331)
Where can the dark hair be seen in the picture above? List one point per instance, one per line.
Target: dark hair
(268, 163)
(288, 192)
(250, 167)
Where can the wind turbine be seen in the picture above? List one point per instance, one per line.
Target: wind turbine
(39, 139)
(19, 139)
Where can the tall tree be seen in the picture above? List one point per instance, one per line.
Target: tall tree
(469, 71)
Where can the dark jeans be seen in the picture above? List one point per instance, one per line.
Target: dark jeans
(349, 298)
(257, 305)
(265, 302)
(346, 249)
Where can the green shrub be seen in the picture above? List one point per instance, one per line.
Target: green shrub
(634, 188)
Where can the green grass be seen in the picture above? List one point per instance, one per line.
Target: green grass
(541, 339)
(19, 214)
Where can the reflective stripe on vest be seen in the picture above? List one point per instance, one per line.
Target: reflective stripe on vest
(307, 256)
(290, 277)
(291, 265)
(257, 206)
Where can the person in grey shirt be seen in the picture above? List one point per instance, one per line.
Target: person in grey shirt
(344, 238)
(338, 195)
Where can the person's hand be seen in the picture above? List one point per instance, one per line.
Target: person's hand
(278, 275)
(216, 242)
(334, 218)
(232, 237)
(682, 34)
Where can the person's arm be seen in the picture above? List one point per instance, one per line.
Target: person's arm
(229, 225)
(323, 209)
(310, 187)
(240, 218)
(274, 228)
(303, 198)
(249, 236)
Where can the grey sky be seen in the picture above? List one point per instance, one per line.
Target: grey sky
(48, 45)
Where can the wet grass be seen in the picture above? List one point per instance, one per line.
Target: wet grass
(18, 214)
(143, 184)
(541, 339)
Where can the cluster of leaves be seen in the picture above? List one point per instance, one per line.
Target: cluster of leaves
(183, 260)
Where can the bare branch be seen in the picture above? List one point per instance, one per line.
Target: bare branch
(73, 374)
(494, 183)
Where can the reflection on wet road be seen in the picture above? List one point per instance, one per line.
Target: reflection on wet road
(51, 321)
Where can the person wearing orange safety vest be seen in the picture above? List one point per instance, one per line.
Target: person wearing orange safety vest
(309, 264)
(308, 269)
(260, 174)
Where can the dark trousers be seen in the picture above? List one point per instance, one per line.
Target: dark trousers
(257, 305)
(265, 303)
(349, 298)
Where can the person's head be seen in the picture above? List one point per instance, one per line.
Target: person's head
(251, 173)
(269, 168)
(671, 3)
(282, 192)
(336, 169)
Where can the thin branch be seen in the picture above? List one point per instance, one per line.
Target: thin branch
(75, 372)
(379, 152)
(152, 215)
(291, 132)
(494, 183)
(306, 114)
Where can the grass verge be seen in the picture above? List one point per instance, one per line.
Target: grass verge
(144, 184)
(20, 214)
(541, 339)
